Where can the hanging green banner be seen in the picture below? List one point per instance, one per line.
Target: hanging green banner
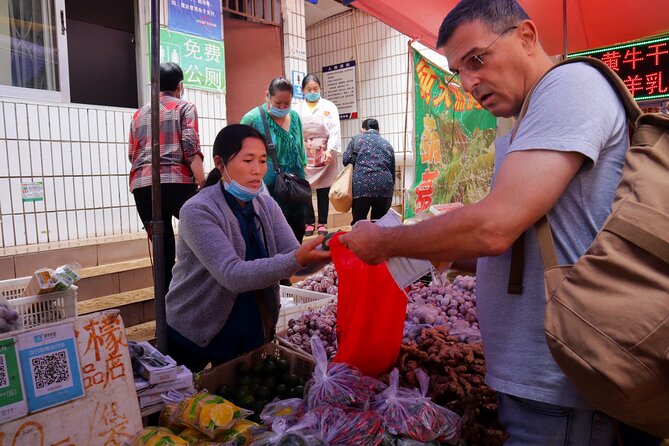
(202, 60)
(454, 138)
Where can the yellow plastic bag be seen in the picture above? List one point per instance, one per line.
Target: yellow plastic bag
(210, 414)
(158, 436)
(240, 434)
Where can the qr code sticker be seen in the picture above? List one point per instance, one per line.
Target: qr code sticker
(51, 372)
(4, 379)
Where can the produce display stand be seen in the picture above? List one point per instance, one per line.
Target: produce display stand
(108, 412)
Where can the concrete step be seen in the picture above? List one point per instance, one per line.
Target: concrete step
(136, 307)
(141, 332)
(22, 261)
(119, 277)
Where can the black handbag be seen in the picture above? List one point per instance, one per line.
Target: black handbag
(288, 187)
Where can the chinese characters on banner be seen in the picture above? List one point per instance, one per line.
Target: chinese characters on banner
(108, 413)
(202, 60)
(197, 17)
(454, 157)
(643, 66)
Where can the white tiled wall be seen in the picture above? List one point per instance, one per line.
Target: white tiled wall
(381, 55)
(79, 152)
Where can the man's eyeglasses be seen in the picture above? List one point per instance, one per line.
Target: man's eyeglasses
(474, 62)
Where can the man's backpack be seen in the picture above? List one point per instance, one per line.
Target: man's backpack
(607, 316)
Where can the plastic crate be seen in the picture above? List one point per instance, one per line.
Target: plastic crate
(40, 309)
(305, 300)
(300, 296)
(299, 364)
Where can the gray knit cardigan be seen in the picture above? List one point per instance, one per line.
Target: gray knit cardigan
(211, 271)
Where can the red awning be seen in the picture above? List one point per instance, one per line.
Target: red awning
(591, 23)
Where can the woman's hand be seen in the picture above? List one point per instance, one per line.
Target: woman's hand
(307, 253)
(328, 157)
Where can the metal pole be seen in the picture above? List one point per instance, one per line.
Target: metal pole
(564, 29)
(157, 227)
(406, 126)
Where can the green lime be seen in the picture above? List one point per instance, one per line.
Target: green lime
(223, 391)
(241, 392)
(270, 382)
(262, 393)
(297, 392)
(244, 380)
(247, 402)
(270, 369)
(283, 390)
(282, 366)
(258, 369)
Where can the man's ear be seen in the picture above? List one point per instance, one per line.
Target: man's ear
(528, 34)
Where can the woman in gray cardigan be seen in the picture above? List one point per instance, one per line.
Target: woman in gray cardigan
(234, 246)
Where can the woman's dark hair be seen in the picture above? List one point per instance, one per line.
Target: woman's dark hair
(280, 84)
(170, 76)
(311, 77)
(370, 123)
(229, 140)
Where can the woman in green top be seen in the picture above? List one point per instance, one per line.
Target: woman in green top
(285, 128)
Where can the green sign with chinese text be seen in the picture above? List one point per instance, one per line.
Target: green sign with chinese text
(454, 138)
(202, 60)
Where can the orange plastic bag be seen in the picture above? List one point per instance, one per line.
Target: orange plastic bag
(371, 310)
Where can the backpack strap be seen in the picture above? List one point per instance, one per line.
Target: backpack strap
(544, 234)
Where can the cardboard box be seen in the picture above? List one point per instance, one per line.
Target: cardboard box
(183, 380)
(150, 400)
(155, 367)
(299, 364)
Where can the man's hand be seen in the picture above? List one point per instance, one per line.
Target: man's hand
(367, 241)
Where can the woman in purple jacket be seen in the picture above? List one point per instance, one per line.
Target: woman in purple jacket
(234, 247)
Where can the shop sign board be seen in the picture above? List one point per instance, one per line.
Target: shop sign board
(197, 17)
(108, 413)
(454, 141)
(339, 87)
(202, 60)
(642, 65)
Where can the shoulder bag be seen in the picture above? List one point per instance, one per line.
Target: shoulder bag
(288, 188)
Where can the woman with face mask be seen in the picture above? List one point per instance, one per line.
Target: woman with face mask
(285, 128)
(322, 140)
(234, 246)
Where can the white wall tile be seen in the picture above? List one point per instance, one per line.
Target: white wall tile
(35, 159)
(14, 158)
(49, 194)
(43, 114)
(61, 225)
(19, 230)
(92, 121)
(33, 122)
(5, 197)
(89, 200)
(54, 123)
(8, 231)
(81, 225)
(90, 223)
(60, 193)
(84, 131)
(21, 121)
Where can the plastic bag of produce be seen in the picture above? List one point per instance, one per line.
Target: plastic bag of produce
(334, 384)
(240, 434)
(303, 433)
(370, 313)
(341, 427)
(155, 436)
(410, 414)
(291, 410)
(210, 414)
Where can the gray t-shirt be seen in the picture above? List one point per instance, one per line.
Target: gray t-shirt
(573, 109)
